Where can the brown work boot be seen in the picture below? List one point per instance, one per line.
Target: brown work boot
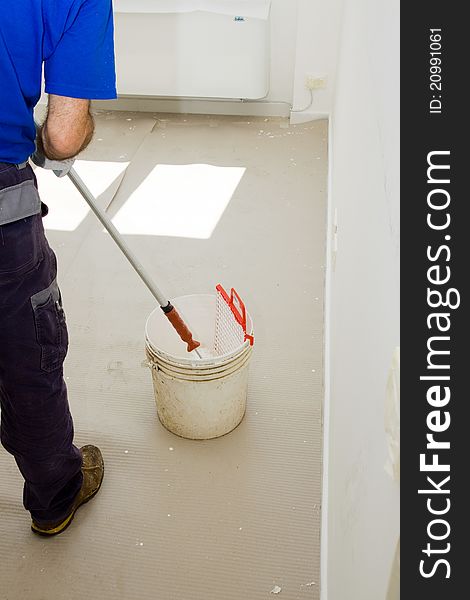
(93, 471)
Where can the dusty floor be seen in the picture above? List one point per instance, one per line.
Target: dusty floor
(237, 518)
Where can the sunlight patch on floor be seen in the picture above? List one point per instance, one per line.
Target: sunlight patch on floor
(179, 201)
(67, 209)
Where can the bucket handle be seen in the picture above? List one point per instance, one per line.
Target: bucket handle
(239, 312)
(240, 317)
(241, 304)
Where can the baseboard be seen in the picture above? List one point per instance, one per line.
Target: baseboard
(196, 106)
(296, 118)
(209, 106)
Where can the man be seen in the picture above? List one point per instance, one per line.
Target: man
(73, 41)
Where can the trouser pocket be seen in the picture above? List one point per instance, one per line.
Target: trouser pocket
(21, 248)
(51, 328)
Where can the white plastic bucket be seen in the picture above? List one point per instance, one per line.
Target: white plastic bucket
(196, 398)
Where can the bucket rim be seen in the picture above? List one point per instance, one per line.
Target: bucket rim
(201, 364)
(199, 377)
(195, 366)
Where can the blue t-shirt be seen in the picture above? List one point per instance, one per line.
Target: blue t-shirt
(74, 41)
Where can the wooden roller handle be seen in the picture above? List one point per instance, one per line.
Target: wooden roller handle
(182, 329)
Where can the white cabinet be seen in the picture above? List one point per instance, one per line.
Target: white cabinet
(193, 48)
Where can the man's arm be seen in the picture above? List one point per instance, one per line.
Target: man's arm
(68, 128)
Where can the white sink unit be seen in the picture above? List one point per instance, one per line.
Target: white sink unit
(193, 48)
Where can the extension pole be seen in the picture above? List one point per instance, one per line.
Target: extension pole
(169, 310)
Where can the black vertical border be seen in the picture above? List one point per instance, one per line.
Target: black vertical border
(421, 133)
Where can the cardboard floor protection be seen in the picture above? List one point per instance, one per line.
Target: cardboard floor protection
(237, 518)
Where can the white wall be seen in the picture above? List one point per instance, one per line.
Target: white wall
(283, 49)
(304, 42)
(317, 42)
(361, 502)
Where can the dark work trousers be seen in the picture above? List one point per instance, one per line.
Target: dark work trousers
(36, 424)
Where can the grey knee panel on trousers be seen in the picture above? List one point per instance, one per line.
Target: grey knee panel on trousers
(19, 202)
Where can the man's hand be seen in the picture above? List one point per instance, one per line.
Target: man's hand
(60, 167)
